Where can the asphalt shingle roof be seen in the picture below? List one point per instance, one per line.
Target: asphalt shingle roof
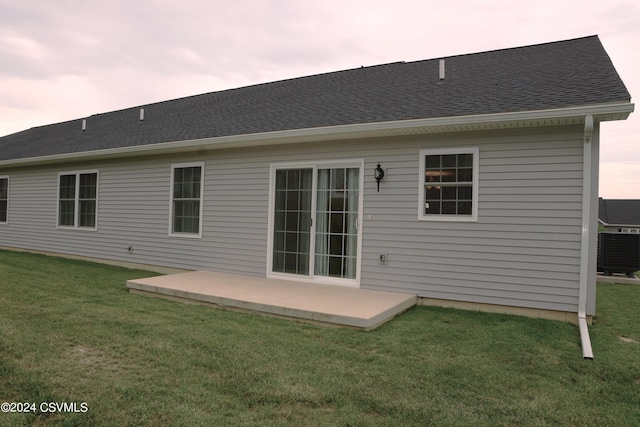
(619, 211)
(551, 75)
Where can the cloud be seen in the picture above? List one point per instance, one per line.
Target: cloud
(619, 180)
(65, 59)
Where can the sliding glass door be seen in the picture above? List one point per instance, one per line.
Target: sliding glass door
(316, 214)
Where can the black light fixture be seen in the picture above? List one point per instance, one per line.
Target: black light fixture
(379, 174)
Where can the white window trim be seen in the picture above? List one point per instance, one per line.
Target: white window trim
(8, 196)
(475, 151)
(76, 216)
(175, 166)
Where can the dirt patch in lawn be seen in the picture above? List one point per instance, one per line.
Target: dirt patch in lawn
(94, 359)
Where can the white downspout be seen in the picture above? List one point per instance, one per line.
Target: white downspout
(587, 352)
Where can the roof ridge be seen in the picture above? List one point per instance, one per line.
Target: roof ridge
(134, 107)
(507, 49)
(386, 64)
(291, 79)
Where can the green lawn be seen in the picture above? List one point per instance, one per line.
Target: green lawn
(70, 332)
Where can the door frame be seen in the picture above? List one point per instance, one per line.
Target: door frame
(315, 165)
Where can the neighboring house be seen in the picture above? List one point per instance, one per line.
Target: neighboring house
(489, 194)
(621, 216)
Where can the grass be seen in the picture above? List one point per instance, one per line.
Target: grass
(70, 332)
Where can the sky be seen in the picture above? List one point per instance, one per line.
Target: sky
(68, 59)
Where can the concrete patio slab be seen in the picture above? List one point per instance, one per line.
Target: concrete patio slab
(331, 305)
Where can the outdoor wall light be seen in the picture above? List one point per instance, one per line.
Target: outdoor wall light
(379, 174)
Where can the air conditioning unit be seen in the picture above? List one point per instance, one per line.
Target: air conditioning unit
(619, 253)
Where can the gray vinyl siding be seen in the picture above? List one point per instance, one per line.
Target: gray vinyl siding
(524, 250)
(133, 210)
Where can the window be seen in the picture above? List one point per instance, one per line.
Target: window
(186, 199)
(448, 184)
(622, 230)
(78, 199)
(4, 199)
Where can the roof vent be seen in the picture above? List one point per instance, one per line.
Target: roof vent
(141, 114)
(442, 69)
(84, 125)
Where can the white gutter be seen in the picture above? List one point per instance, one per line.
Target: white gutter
(556, 116)
(587, 352)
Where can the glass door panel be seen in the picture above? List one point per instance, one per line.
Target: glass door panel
(337, 211)
(292, 221)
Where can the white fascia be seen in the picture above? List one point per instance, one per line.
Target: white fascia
(557, 116)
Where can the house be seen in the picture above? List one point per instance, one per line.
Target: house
(489, 194)
(621, 216)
